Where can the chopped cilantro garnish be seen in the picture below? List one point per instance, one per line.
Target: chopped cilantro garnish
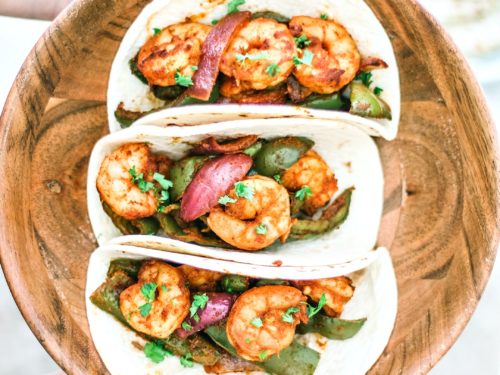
(186, 360)
(199, 302)
(302, 41)
(287, 317)
(148, 290)
(303, 193)
(164, 288)
(138, 179)
(248, 340)
(145, 309)
(214, 22)
(306, 59)
(156, 31)
(273, 69)
(183, 80)
(243, 191)
(378, 90)
(233, 5)
(186, 326)
(365, 77)
(324, 16)
(258, 56)
(261, 229)
(194, 68)
(311, 311)
(262, 354)
(277, 177)
(156, 352)
(165, 196)
(226, 199)
(256, 322)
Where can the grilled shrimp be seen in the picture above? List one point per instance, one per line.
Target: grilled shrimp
(262, 321)
(177, 48)
(257, 221)
(168, 300)
(337, 290)
(260, 55)
(201, 280)
(116, 186)
(336, 58)
(311, 171)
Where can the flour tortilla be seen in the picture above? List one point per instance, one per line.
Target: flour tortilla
(350, 153)
(375, 298)
(355, 15)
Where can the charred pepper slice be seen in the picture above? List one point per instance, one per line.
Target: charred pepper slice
(279, 154)
(365, 103)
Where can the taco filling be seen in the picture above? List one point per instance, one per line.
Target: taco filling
(258, 58)
(244, 193)
(226, 322)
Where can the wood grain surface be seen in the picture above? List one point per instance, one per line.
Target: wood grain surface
(441, 214)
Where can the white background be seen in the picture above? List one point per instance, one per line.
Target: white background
(477, 350)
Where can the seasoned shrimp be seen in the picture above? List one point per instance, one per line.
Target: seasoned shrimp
(336, 58)
(115, 184)
(260, 55)
(201, 280)
(177, 48)
(262, 321)
(163, 288)
(311, 171)
(254, 222)
(337, 290)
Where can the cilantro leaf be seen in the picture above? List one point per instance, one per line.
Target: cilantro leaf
(156, 31)
(287, 317)
(226, 199)
(138, 179)
(183, 80)
(303, 193)
(302, 41)
(145, 186)
(306, 59)
(164, 183)
(214, 22)
(243, 191)
(377, 91)
(324, 16)
(256, 322)
(199, 302)
(186, 326)
(261, 229)
(164, 288)
(262, 354)
(148, 290)
(156, 352)
(258, 56)
(186, 360)
(165, 196)
(273, 69)
(233, 5)
(145, 309)
(311, 311)
(277, 178)
(194, 68)
(365, 77)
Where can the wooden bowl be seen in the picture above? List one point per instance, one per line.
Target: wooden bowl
(441, 214)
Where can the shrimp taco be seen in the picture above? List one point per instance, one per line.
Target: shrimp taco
(152, 312)
(258, 59)
(252, 191)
